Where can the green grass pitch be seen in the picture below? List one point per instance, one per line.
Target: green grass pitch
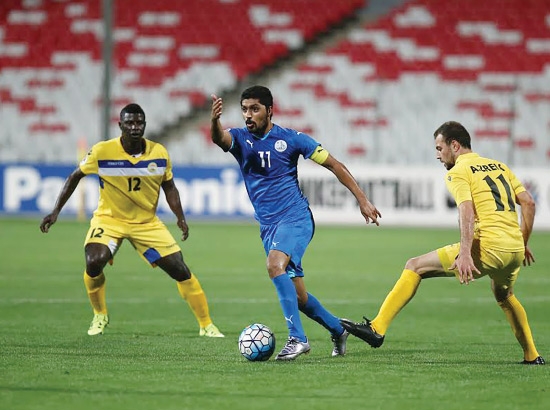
(450, 348)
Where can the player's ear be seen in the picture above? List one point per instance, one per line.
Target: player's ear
(455, 145)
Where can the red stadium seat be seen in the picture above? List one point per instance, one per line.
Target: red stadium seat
(154, 62)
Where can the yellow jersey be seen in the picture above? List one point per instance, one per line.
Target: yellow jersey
(492, 187)
(129, 185)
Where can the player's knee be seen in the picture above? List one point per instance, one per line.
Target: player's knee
(275, 267)
(97, 256)
(180, 274)
(302, 300)
(95, 262)
(502, 293)
(413, 264)
(274, 271)
(174, 266)
(178, 271)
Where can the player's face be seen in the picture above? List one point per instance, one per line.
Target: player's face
(445, 153)
(132, 125)
(256, 116)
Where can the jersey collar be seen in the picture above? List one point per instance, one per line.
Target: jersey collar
(464, 157)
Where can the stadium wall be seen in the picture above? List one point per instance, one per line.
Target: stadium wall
(406, 196)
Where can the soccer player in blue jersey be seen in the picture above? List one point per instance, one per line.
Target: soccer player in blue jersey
(268, 157)
(131, 171)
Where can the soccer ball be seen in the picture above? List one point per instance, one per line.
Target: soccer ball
(257, 342)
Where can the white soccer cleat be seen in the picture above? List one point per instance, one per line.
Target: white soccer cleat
(98, 325)
(293, 348)
(210, 331)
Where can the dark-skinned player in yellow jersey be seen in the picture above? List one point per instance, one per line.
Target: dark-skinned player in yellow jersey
(132, 170)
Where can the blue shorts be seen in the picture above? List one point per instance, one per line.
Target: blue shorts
(291, 238)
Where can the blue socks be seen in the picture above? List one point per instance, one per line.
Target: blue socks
(314, 310)
(289, 303)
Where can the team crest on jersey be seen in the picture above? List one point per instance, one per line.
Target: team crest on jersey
(152, 167)
(280, 146)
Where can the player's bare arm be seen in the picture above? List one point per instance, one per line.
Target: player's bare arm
(528, 209)
(174, 202)
(219, 136)
(368, 210)
(68, 188)
(464, 262)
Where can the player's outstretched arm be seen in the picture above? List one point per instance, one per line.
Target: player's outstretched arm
(220, 137)
(174, 202)
(528, 208)
(68, 188)
(368, 210)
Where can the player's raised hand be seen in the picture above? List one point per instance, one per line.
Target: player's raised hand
(48, 221)
(217, 107)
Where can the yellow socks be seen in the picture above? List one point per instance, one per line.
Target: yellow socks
(515, 313)
(192, 292)
(402, 292)
(96, 292)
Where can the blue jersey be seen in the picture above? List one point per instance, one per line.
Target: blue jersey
(269, 166)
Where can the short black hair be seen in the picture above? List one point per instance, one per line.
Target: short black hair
(453, 130)
(260, 93)
(132, 108)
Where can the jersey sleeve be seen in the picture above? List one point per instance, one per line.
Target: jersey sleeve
(237, 141)
(517, 186)
(89, 164)
(306, 144)
(234, 132)
(459, 187)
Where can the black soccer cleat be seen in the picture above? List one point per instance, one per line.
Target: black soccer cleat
(363, 331)
(537, 361)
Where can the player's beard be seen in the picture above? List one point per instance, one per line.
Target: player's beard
(449, 165)
(255, 128)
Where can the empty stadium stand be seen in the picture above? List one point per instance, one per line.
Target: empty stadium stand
(374, 96)
(379, 93)
(168, 55)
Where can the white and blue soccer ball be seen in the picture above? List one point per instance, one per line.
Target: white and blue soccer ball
(257, 342)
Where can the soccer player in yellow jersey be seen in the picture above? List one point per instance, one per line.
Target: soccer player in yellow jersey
(131, 171)
(492, 242)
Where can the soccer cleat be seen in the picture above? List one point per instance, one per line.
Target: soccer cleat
(293, 348)
(98, 325)
(340, 344)
(210, 331)
(363, 331)
(538, 360)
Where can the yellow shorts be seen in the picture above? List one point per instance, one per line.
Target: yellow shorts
(151, 240)
(502, 267)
